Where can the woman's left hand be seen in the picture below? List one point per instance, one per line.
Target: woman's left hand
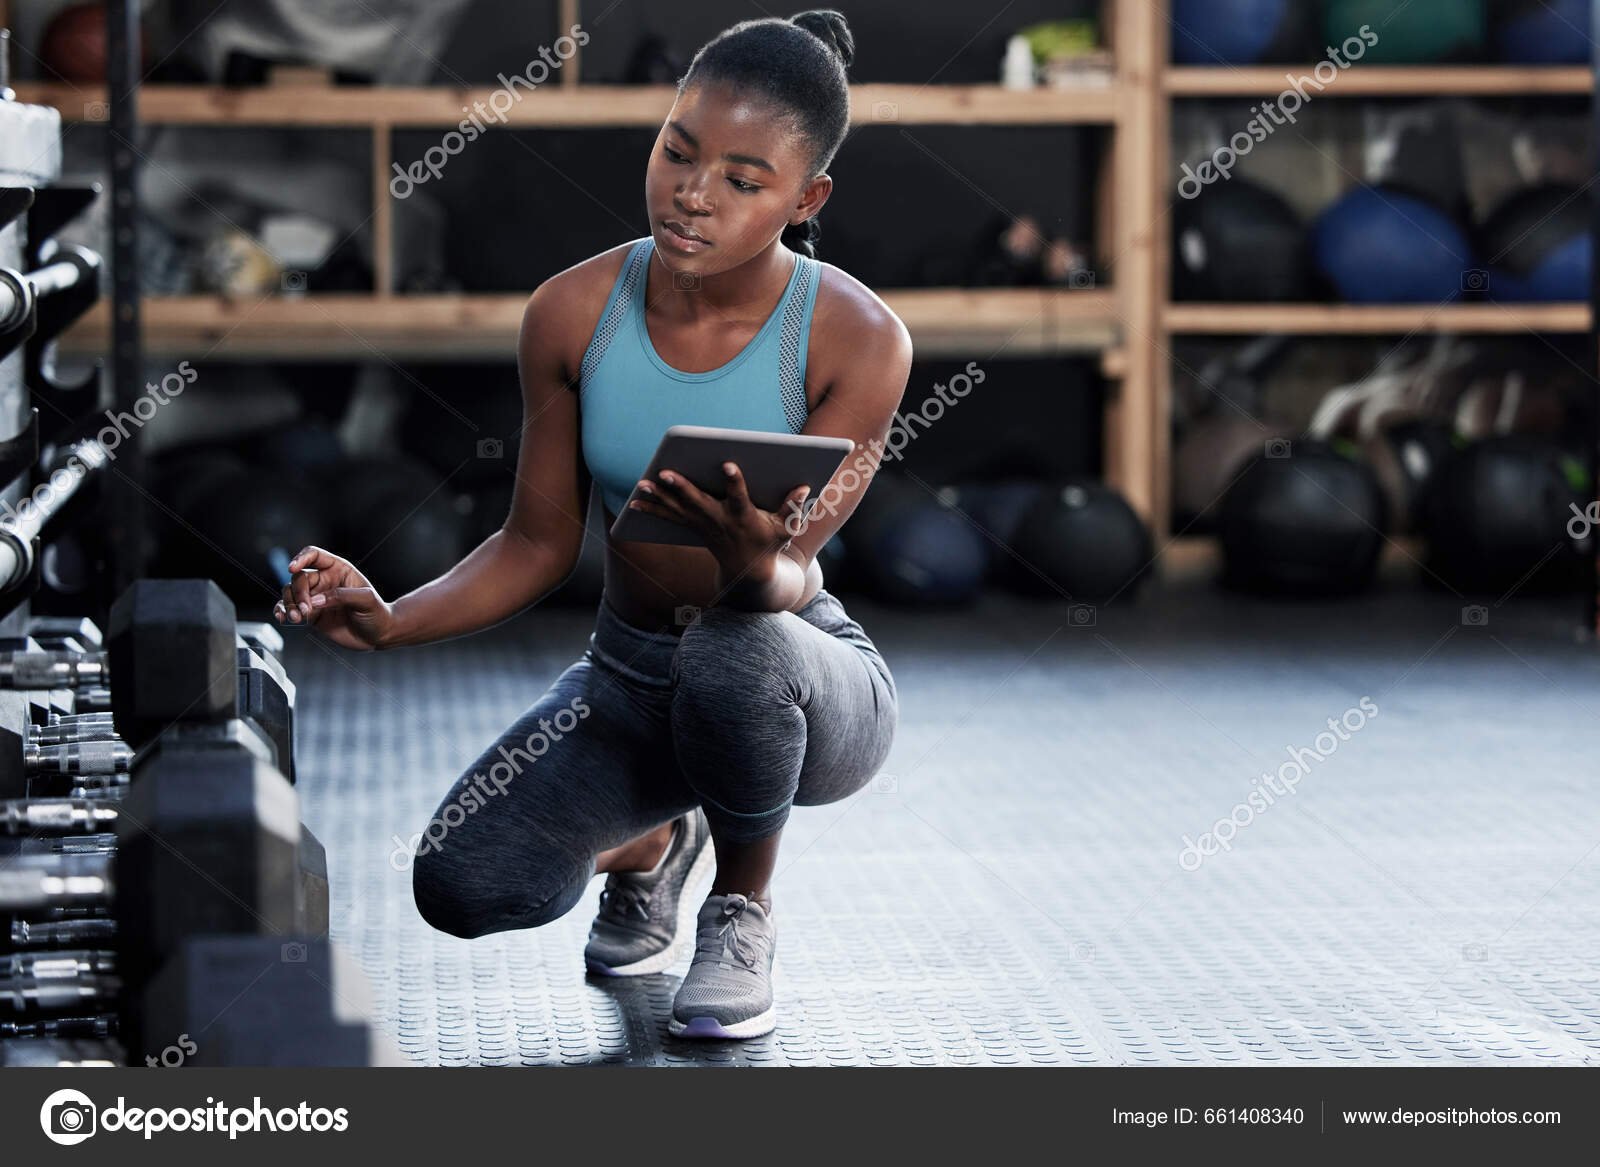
(740, 534)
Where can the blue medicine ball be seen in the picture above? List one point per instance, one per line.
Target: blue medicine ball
(1544, 32)
(1226, 32)
(1379, 246)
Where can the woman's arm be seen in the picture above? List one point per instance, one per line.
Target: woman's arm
(538, 546)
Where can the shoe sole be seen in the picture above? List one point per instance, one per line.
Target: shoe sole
(688, 914)
(710, 1027)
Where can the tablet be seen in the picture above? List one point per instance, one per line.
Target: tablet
(773, 464)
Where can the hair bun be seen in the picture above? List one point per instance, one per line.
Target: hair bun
(830, 27)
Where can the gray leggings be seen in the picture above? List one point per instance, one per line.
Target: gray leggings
(745, 714)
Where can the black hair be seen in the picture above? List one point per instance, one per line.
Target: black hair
(799, 66)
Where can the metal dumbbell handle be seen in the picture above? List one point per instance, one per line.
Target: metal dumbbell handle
(56, 816)
(44, 966)
(103, 1025)
(54, 933)
(91, 757)
(30, 994)
(82, 720)
(49, 670)
(64, 881)
(19, 530)
(55, 735)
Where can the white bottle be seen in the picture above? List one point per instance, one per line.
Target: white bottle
(1016, 69)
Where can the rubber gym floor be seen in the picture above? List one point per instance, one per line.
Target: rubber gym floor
(1010, 890)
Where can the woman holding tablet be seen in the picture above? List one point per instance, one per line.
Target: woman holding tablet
(722, 684)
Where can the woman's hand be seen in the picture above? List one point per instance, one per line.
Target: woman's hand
(329, 594)
(743, 537)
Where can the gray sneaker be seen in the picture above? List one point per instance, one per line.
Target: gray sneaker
(728, 989)
(645, 916)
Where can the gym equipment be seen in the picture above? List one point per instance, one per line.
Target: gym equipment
(1497, 516)
(1239, 241)
(1515, 403)
(913, 550)
(1305, 520)
(57, 881)
(1405, 457)
(266, 700)
(1384, 246)
(996, 510)
(250, 525)
(1210, 455)
(1239, 32)
(1415, 33)
(402, 529)
(173, 657)
(1539, 246)
(60, 933)
(304, 447)
(1543, 32)
(1080, 541)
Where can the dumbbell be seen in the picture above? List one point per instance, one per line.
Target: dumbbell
(52, 982)
(266, 699)
(36, 882)
(215, 871)
(58, 1053)
(60, 933)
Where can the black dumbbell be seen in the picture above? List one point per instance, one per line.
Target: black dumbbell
(266, 699)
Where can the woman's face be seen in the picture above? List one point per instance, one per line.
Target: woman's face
(730, 173)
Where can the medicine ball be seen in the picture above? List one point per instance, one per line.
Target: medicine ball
(1239, 32)
(303, 447)
(1381, 246)
(73, 47)
(248, 525)
(996, 510)
(1210, 455)
(1540, 246)
(396, 524)
(1543, 32)
(1308, 523)
(1499, 510)
(1406, 457)
(1239, 241)
(1081, 541)
(1411, 32)
(908, 548)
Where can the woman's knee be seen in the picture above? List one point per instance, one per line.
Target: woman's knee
(731, 649)
(462, 896)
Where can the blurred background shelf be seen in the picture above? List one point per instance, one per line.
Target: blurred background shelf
(574, 106)
(1383, 81)
(1007, 322)
(1373, 319)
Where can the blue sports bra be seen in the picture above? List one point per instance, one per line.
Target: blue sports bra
(628, 395)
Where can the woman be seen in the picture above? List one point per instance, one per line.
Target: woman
(722, 685)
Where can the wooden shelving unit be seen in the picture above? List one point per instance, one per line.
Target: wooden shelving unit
(1173, 320)
(1131, 325)
(946, 322)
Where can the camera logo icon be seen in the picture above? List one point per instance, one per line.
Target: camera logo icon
(294, 952)
(294, 282)
(1475, 280)
(686, 281)
(96, 111)
(1082, 616)
(1475, 953)
(1082, 280)
(491, 448)
(885, 111)
(686, 614)
(68, 1117)
(886, 784)
(1279, 448)
(1475, 616)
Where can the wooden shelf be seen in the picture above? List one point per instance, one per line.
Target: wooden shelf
(581, 106)
(1373, 319)
(943, 322)
(1385, 81)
